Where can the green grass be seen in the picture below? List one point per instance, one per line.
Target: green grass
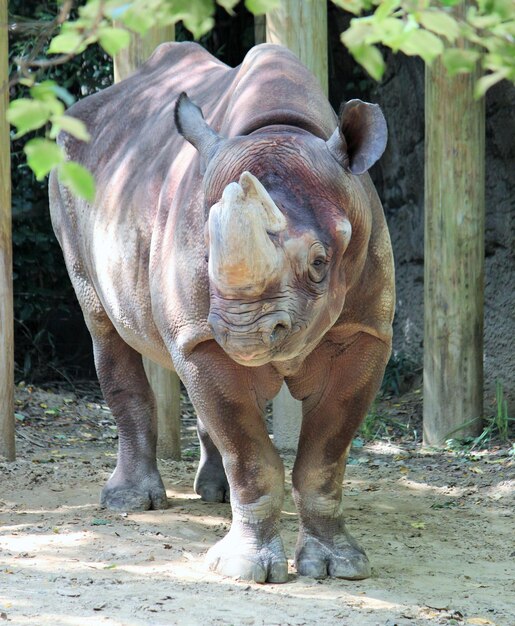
(399, 375)
(501, 419)
(496, 427)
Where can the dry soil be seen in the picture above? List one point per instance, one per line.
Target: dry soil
(438, 529)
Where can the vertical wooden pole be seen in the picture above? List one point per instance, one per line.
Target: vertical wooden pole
(7, 447)
(165, 384)
(167, 391)
(453, 255)
(301, 26)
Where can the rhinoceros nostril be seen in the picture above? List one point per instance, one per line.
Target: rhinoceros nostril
(279, 332)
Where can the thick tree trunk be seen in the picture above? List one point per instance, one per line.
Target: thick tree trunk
(301, 26)
(7, 448)
(454, 257)
(164, 383)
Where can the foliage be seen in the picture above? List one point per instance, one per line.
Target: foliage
(108, 23)
(374, 426)
(501, 420)
(483, 33)
(44, 302)
(496, 427)
(400, 373)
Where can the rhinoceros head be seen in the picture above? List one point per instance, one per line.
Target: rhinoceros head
(282, 204)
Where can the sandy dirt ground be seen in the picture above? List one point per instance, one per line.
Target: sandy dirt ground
(438, 529)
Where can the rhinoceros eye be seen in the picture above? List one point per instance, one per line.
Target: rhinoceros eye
(317, 263)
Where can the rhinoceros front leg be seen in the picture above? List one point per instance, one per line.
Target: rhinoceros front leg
(331, 417)
(135, 484)
(210, 482)
(229, 399)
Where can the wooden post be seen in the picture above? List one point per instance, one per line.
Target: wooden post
(165, 384)
(167, 391)
(7, 447)
(453, 255)
(301, 26)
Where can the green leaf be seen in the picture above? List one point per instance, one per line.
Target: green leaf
(198, 27)
(48, 90)
(138, 23)
(419, 525)
(485, 82)
(71, 125)
(66, 42)
(371, 59)
(357, 34)
(114, 39)
(41, 91)
(459, 60)
(64, 95)
(424, 44)
(386, 8)
(42, 156)
(78, 179)
(27, 115)
(260, 7)
(392, 32)
(228, 5)
(440, 23)
(27, 82)
(352, 6)
(45, 92)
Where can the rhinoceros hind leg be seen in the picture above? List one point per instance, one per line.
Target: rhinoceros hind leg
(211, 483)
(235, 557)
(342, 557)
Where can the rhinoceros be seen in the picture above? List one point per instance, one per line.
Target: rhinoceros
(243, 249)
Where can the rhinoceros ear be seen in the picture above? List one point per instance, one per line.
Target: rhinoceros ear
(193, 127)
(360, 138)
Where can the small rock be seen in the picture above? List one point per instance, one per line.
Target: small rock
(69, 593)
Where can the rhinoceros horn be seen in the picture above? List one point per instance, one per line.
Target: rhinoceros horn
(360, 138)
(242, 257)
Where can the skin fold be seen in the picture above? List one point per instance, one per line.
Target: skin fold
(242, 249)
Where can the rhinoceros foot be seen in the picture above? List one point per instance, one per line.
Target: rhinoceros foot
(124, 495)
(340, 557)
(211, 483)
(246, 560)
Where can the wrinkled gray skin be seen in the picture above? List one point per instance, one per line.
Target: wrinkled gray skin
(155, 276)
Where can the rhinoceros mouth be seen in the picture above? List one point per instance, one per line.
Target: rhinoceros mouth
(252, 360)
(253, 342)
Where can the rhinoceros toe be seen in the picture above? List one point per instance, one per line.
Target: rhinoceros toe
(122, 496)
(340, 557)
(248, 561)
